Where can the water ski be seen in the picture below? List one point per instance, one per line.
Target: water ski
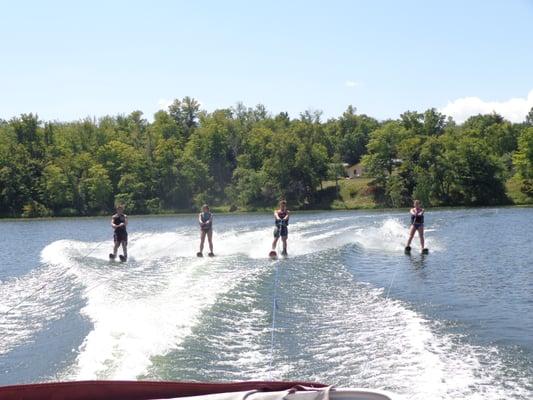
(199, 254)
(425, 251)
(407, 250)
(273, 254)
(122, 258)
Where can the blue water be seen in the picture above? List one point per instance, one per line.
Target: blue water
(350, 308)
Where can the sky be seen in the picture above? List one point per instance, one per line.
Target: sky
(66, 60)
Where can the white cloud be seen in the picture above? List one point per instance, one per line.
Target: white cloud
(515, 109)
(351, 83)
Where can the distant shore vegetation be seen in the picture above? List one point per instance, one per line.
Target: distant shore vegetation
(243, 158)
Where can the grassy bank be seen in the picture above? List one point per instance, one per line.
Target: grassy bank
(514, 193)
(351, 194)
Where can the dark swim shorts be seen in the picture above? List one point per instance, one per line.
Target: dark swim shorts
(120, 237)
(282, 231)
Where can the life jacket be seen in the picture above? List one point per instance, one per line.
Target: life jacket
(117, 220)
(417, 219)
(205, 216)
(281, 215)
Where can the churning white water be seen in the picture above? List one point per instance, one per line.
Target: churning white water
(351, 309)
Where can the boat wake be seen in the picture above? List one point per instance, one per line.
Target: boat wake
(166, 314)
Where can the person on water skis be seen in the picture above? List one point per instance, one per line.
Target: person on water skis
(417, 224)
(205, 219)
(281, 217)
(119, 222)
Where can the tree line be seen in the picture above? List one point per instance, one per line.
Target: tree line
(247, 157)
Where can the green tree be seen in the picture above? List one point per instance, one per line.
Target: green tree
(523, 158)
(523, 161)
(248, 188)
(56, 188)
(529, 117)
(185, 113)
(170, 183)
(354, 132)
(210, 144)
(97, 189)
(382, 148)
(413, 121)
(434, 122)
(250, 157)
(478, 173)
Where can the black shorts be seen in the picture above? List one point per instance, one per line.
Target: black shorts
(120, 237)
(282, 231)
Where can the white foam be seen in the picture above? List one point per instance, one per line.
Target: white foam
(355, 336)
(62, 258)
(129, 329)
(391, 236)
(34, 300)
(147, 306)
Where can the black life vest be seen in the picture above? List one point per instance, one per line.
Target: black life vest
(417, 219)
(119, 219)
(281, 215)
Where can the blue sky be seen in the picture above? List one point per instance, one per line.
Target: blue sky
(67, 61)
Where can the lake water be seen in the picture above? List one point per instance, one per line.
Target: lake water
(347, 307)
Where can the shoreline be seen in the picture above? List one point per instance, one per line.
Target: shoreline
(221, 211)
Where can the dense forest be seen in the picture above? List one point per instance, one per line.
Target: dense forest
(247, 158)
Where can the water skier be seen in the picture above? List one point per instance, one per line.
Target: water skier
(205, 219)
(417, 224)
(119, 222)
(281, 217)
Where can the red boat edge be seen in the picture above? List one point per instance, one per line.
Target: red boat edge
(139, 390)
